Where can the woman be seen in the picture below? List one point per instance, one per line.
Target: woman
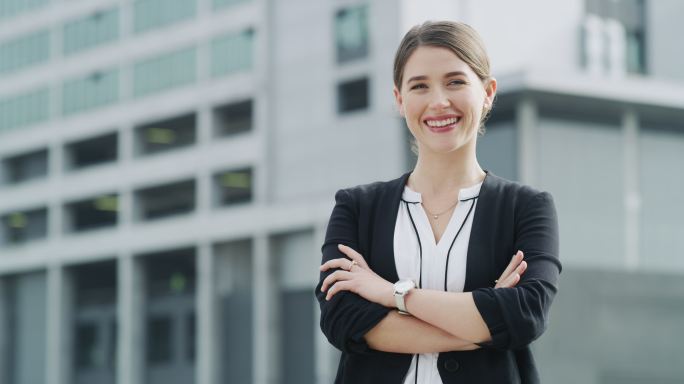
(408, 288)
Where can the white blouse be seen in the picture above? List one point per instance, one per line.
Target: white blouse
(411, 250)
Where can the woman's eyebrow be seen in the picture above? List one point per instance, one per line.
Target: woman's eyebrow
(449, 74)
(455, 73)
(417, 78)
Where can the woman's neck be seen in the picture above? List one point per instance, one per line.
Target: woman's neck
(437, 174)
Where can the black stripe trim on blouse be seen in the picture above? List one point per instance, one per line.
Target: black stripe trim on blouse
(446, 267)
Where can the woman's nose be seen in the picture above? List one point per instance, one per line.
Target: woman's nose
(439, 100)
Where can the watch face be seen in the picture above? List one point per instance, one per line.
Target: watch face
(405, 285)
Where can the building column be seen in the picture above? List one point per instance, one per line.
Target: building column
(327, 357)
(528, 137)
(206, 317)
(630, 164)
(130, 338)
(55, 214)
(4, 340)
(57, 342)
(266, 350)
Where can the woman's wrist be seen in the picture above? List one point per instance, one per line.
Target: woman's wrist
(389, 301)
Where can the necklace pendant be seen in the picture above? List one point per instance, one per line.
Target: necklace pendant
(434, 217)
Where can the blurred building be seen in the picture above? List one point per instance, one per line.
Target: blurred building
(167, 170)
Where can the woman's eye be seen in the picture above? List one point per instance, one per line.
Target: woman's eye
(418, 86)
(457, 82)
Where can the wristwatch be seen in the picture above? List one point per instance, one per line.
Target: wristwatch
(401, 289)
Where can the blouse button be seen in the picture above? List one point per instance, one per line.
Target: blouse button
(451, 365)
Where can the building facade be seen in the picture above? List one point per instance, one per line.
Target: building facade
(167, 170)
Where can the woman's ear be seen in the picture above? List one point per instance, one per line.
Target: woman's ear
(490, 93)
(400, 102)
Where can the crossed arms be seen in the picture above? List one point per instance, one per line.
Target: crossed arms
(357, 305)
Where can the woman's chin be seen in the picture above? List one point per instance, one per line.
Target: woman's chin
(443, 148)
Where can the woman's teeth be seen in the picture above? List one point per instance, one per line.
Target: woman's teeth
(441, 123)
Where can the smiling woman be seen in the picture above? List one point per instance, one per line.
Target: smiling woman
(417, 281)
(441, 94)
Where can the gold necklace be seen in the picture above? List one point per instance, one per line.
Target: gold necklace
(435, 216)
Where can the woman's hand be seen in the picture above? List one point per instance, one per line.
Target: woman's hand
(511, 276)
(355, 276)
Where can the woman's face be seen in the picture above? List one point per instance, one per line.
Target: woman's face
(442, 99)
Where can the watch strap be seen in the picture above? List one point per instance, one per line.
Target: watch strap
(401, 304)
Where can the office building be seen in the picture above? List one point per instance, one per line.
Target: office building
(167, 170)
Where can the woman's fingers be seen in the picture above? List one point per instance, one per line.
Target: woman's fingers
(511, 276)
(352, 254)
(344, 263)
(511, 281)
(339, 286)
(332, 278)
(340, 263)
(515, 261)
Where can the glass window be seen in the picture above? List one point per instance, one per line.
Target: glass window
(24, 167)
(662, 229)
(93, 287)
(163, 72)
(113, 344)
(160, 340)
(23, 226)
(24, 310)
(24, 109)
(166, 200)
(99, 28)
(171, 273)
(631, 15)
(233, 187)
(351, 33)
(293, 251)
(149, 14)
(88, 355)
(580, 163)
(24, 51)
(95, 90)
(233, 118)
(95, 284)
(170, 278)
(218, 4)
(234, 287)
(190, 336)
(10, 8)
(98, 150)
(232, 53)
(163, 135)
(352, 95)
(94, 213)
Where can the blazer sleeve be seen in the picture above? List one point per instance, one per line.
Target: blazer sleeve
(517, 316)
(347, 317)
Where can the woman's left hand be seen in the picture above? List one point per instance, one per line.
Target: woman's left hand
(355, 276)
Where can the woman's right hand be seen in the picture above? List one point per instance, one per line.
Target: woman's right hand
(511, 276)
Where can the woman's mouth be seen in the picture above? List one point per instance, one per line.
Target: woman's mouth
(442, 125)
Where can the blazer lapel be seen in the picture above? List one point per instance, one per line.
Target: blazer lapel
(386, 216)
(479, 261)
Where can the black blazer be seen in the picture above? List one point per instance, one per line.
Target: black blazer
(509, 217)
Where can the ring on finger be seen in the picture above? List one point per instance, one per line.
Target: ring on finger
(352, 264)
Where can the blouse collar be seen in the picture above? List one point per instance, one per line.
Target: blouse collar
(468, 193)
